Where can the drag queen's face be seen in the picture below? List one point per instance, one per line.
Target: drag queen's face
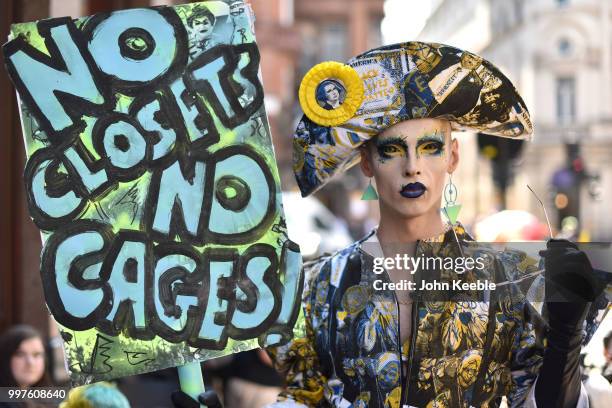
(410, 162)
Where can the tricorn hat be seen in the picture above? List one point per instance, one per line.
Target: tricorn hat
(346, 105)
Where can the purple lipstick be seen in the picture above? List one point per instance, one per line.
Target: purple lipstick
(413, 190)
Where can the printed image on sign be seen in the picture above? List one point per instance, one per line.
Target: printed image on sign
(152, 177)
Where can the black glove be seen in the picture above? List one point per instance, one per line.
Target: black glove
(569, 275)
(571, 285)
(208, 398)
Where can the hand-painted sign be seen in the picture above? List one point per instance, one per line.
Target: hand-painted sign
(152, 177)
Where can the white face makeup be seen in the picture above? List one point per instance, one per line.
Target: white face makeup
(409, 162)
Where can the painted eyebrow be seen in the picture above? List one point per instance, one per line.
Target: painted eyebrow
(392, 140)
(431, 137)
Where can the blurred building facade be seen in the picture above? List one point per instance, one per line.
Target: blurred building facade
(558, 54)
(337, 30)
(280, 46)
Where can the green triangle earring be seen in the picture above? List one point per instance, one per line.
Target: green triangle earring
(451, 208)
(370, 193)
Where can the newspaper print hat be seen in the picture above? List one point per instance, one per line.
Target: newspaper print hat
(346, 105)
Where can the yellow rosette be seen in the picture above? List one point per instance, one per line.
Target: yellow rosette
(336, 72)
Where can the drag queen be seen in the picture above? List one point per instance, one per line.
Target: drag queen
(368, 344)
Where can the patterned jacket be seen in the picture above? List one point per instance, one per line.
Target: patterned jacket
(467, 348)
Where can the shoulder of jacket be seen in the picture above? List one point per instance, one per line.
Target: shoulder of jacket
(520, 262)
(516, 261)
(326, 270)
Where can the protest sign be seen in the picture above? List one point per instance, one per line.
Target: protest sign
(152, 177)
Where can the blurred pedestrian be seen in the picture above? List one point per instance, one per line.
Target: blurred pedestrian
(607, 369)
(22, 361)
(599, 384)
(98, 395)
(22, 358)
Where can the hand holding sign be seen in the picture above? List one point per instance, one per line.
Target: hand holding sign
(209, 398)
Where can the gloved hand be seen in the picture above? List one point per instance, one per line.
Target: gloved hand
(571, 285)
(569, 273)
(208, 398)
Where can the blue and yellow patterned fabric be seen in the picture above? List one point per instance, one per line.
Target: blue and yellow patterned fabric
(463, 351)
(400, 82)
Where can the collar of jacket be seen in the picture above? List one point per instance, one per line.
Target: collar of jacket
(451, 233)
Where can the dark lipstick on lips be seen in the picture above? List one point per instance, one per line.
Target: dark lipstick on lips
(413, 190)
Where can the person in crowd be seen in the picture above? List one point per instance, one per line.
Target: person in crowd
(22, 358)
(97, 395)
(378, 336)
(607, 369)
(22, 362)
(371, 342)
(598, 380)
